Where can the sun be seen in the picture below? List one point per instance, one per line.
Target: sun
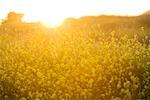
(51, 17)
(47, 19)
(52, 24)
(52, 21)
(50, 12)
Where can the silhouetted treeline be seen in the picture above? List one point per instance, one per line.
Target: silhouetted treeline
(13, 24)
(110, 22)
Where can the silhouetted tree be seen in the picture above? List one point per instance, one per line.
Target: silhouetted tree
(13, 18)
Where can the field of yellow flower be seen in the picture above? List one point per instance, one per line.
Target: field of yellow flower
(82, 65)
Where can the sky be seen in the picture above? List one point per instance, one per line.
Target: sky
(53, 11)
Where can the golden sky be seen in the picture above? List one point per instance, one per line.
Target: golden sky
(54, 11)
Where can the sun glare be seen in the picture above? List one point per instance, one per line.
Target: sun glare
(53, 12)
(53, 24)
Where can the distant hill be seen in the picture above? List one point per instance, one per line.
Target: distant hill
(147, 13)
